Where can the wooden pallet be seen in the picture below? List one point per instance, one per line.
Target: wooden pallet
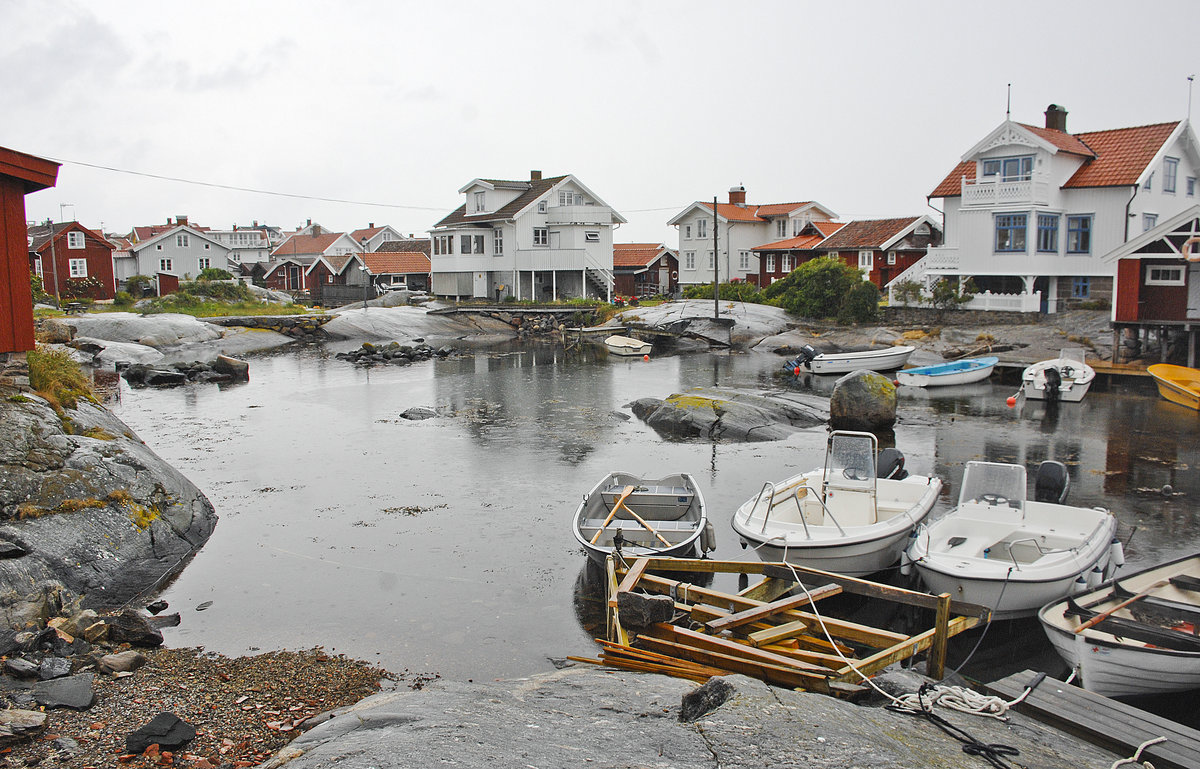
(1102, 721)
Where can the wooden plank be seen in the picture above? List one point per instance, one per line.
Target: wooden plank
(754, 614)
(849, 631)
(778, 633)
(634, 574)
(1108, 723)
(915, 645)
(935, 666)
(784, 675)
(612, 616)
(732, 648)
(876, 590)
(767, 589)
(701, 614)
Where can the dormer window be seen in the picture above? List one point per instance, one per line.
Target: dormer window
(480, 201)
(781, 228)
(1018, 169)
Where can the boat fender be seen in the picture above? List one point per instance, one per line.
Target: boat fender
(905, 564)
(890, 464)
(1079, 585)
(1053, 483)
(1116, 553)
(708, 538)
(1095, 577)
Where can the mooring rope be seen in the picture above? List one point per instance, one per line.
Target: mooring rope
(1137, 757)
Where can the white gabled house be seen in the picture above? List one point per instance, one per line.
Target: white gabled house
(180, 251)
(1031, 213)
(371, 238)
(740, 227)
(545, 238)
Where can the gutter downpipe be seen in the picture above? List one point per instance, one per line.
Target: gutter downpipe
(1127, 213)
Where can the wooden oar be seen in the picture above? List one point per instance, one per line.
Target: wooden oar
(1106, 614)
(619, 504)
(649, 528)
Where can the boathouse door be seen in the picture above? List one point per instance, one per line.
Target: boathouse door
(1193, 290)
(481, 285)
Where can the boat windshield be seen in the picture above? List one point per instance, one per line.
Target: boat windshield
(850, 459)
(1074, 354)
(993, 483)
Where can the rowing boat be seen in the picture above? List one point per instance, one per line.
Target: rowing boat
(643, 517)
(1178, 384)
(956, 372)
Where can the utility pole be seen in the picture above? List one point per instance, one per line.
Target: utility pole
(53, 261)
(716, 267)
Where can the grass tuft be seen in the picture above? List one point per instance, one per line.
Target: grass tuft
(55, 376)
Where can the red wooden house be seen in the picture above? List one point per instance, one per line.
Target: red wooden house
(1157, 288)
(644, 269)
(776, 260)
(883, 248)
(20, 174)
(67, 254)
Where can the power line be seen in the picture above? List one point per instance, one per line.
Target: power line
(240, 189)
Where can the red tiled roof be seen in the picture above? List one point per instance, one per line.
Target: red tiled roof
(1064, 141)
(790, 244)
(398, 263)
(752, 212)
(951, 186)
(827, 228)
(636, 254)
(300, 245)
(867, 233)
(368, 233)
(154, 230)
(1122, 155)
(414, 245)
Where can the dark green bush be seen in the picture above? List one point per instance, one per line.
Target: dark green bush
(861, 304)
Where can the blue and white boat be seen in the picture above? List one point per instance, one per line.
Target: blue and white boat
(955, 372)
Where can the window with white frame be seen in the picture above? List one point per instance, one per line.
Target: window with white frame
(1164, 275)
(781, 228)
(1079, 234)
(891, 258)
(541, 207)
(480, 201)
(1149, 221)
(78, 268)
(498, 242)
(743, 260)
(1191, 186)
(477, 244)
(712, 260)
(770, 263)
(702, 228)
(566, 198)
(541, 236)
(1014, 169)
(1149, 183)
(182, 240)
(866, 260)
(164, 265)
(74, 239)
(689, 260)
(687, 231)
(591, 237)
(1170, 174)
(443, 245)
(203, 263)
(787, 263)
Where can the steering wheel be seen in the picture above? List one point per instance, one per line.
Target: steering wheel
(994, 499)
(1068, 372)
(854, 474)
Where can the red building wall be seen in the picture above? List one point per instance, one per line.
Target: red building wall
(1128, 294)
(96, 251)
(1160, 302)
(16, 299)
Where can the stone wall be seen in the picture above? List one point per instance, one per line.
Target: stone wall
(296, 326)
(927, 316)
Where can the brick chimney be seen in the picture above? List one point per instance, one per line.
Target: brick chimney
(737, 196)
(370, 225)
(181, 219)
(316, 230)
(535, 176)
(1056, 118)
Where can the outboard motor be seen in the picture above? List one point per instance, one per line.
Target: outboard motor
(890, 464)
(1053, 383)
(803, 357)
(1052, 484)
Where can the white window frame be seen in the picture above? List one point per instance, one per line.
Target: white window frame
(480, 201)
(78, 268)
(866, 260)
(781, 227)
(786, 263)
(743, 260)
(541, 236)
(1191, 186)
(541, 209)
(166, 265)
(1167, 275)
(712, 260)
(891, 258)
(770, 263)
(182, 240)
(702, 228)
(1170, 175)
(689, 260)
(75, 239)
(591, 237)
(1149, 222)
(203, 263)
(687, 231)
(497, 242)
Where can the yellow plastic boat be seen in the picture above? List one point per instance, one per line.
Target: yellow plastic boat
(1178, 384)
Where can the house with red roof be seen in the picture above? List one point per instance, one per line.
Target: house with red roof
(777, 258)
(1032, 213)
(67, 254)
(739, 227)
(882, 248)
(543, 238)
(371, 238)
(311, 258)
(644, 269)
(403, 261)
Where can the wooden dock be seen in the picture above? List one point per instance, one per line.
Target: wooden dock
(1102, 721)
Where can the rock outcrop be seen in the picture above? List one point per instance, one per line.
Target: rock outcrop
(714, 414)
(863, 400)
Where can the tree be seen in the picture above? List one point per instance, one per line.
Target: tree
(38, 289)
(946, 294)
(815, 289)
(861, 304)
(908, 292)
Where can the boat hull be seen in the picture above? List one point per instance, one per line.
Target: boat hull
(673, 506)
(1178, 384)
(1075, 379)
(625, 345)
(948, 373)
(1115, 666)
(868, 360)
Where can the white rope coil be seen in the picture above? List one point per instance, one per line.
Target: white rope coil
(962, 699)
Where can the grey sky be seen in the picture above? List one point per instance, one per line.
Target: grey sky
(863, 106)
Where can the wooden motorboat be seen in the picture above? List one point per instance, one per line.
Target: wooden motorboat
(1065, 378)
(956, 372)
(626, 345)
(1178, 384)
(1133, 635)
(659, 517)
(1013, 555)
(882, 359)
(853, 516)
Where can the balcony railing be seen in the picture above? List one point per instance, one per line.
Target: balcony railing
(994, 191)
(593, 215)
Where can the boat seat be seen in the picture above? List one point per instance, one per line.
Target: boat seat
(850, 507)
(592, 525)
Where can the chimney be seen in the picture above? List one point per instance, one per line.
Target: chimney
(308, 223)
(737, 196)
(370, 225)
(181, 219)
(535, 176)
(1056, 118)
(316, 230)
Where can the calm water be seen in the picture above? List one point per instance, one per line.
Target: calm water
(444, 545)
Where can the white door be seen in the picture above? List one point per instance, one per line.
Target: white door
(1193, 289)
(481, 285)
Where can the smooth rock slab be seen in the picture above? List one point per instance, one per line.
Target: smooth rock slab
(166, 730)
(718, 414)
(72, 692)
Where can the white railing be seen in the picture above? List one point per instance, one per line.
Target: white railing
(579, 215)
(986, 300)
(991, 191)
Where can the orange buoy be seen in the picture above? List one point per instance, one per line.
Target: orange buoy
(796, 371)
(645, 357)
(1011, 401)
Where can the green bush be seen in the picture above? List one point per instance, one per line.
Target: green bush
(733, 292)
(215, 273)
(38, 289)
(861, 304)
(908, 292)
(815, 289)
(123, 299)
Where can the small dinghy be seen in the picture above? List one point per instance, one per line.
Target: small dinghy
(1065, 378)
(626, 345)
(1012, 555)
(640, 517)
(853, 516)
(1178, 384)
(957, 372)
(1135, 635)
(883, 359)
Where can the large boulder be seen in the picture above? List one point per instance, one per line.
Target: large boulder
(99, 516)
(714, 414)
(862, 400)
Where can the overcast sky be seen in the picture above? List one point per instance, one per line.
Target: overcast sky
(862, 106)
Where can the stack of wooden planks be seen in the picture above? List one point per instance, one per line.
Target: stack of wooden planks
(772, 630)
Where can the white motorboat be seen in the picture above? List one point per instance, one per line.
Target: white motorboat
(627, 345)
(853, 516)
(1012, 555)
(956, 372)
(659, 517)
(882, 359)
(1135, 635)
(1065, 378)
